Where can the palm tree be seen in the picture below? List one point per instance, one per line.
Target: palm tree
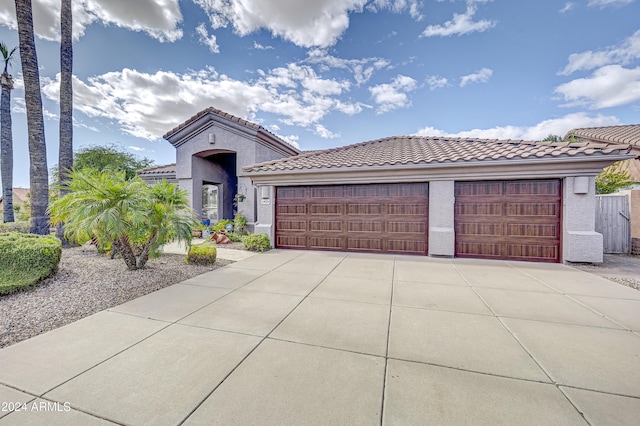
(65, 159)
(38, 172)
(135, 218)
(6, 139)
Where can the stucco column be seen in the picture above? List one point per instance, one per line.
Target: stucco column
(581, 243)
(266, 210)
(441, 213)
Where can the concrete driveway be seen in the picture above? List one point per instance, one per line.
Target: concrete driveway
(306, 338)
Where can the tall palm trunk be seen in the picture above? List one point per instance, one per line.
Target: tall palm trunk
(6, 148)
(65, 159)
(38, 173)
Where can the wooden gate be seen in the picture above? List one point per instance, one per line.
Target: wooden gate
(612, 221)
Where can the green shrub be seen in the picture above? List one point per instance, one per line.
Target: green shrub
(20, 227)
(240, 223)
(221, 224)
(25, 259)
(202, 254)
(256, 242)
(236, 238)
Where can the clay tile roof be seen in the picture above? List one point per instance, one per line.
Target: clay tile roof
(627, 134)
(217, 112)
(169, 169)
(405, 150)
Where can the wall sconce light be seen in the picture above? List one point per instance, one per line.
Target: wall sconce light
(212, 138)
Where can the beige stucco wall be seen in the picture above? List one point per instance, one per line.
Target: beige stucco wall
(635, 213)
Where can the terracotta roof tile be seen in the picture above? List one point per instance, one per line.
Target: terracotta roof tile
(217, 112)
(423, 150)
(627, 134)
(167, 169)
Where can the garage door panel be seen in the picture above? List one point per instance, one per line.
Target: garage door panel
(291, 241)
(517, 220)
(406, 246)
(383, 218)
(548, 208)
(291, 209)
(365, 244)
(479, 208)
(325, 243)
(368, 209)
(325, 225)
(479, 228)
(532, 251)
(292, 225)
(417, 209)
(532, 230)
(526, 188)
(364, 226)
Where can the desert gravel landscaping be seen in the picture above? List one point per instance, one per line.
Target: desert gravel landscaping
(87, 283)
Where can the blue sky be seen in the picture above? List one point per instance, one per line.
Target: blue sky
(327, 73)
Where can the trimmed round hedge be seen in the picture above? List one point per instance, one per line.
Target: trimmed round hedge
(25, 259)
(202, 254)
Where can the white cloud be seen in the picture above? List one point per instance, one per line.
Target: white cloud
(609, 86)
(325, 133)
(390, 96)
(623, 54)
(462, 23)
(567, 7)
(136, 148)
(148, 105)
(362, 69)
(158, 18)
(206, 39)
(481, 76)
(605, 3)
(398, 6)
(307, 24)
(436, 82)
(556, 126)
(258, 46)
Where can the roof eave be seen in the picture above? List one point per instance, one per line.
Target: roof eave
(473, 170)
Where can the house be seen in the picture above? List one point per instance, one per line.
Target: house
(627, 134)
(608, 135)
(436, 196)
(211, 148)
(20, 195)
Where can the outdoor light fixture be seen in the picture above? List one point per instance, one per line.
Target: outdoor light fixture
(212, 138)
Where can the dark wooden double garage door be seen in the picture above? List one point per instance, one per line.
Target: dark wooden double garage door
(493, 219)
(384, 218)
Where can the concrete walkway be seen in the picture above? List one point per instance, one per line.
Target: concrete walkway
(306, 338)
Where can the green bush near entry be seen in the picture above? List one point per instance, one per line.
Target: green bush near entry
(256, 242)
(202, 255)
(21, 227)
(236, 238)
(26, 259)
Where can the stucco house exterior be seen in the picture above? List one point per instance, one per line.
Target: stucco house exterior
(436, 196)
(212, 147)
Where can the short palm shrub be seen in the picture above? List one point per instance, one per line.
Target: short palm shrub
(202, 254)
(256, 242)
(135, 218)
(26, 259)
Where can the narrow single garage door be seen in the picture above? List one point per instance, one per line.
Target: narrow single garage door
(378, 218)
(514, 220)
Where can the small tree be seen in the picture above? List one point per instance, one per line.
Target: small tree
(612, 178)
(136, 218)
(109, 157)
